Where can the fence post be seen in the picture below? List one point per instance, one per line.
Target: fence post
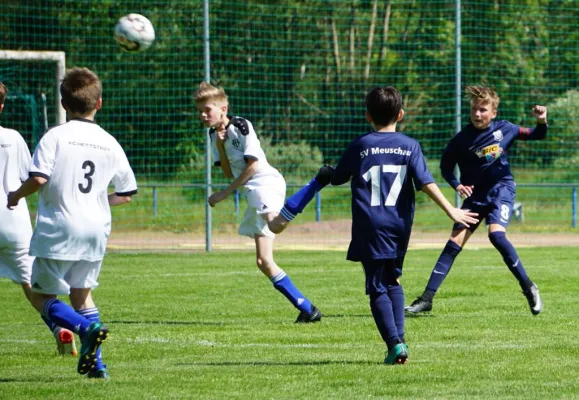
(236, 202)
(155, 201)
(574, 207)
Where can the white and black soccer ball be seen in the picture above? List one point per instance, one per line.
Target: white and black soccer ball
(134, 33)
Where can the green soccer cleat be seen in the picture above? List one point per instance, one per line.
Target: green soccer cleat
(397, 355)
(96, 334)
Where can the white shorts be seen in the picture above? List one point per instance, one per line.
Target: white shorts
(58, 276)
(262, 200)
(16, 264)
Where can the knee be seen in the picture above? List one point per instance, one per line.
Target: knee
(496, 238)
(263, 263)
(277, 224)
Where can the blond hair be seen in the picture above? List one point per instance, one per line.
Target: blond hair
(207, 92)
(3, 92)
(484, 94)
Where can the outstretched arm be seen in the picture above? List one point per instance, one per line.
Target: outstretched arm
(464, 217)
(539, 132)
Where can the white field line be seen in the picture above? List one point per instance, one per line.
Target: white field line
(211, 343)
(307, 271)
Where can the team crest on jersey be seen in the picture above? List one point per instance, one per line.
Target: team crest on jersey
(236, 143)
(498, 135)
(491, 152)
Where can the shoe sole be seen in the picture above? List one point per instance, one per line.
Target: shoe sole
(88, 360)
(65, 343)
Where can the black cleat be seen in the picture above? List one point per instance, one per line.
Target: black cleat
(534, 299)
(99, 374)
(419, 305)
(308, 317)
(324, 176)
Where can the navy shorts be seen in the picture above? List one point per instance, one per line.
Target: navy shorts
(382, 273)
(494, 206)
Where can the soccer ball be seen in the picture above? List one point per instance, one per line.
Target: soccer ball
(134, 33)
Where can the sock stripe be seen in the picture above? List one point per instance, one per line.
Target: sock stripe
(46, 308)
(278, 277)
(286, 214)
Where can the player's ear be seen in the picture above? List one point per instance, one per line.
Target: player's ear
(369, 117)
(99, 104)
(1, 107)
(400, 116)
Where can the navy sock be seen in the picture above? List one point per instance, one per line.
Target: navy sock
(396, 294)
(443, 265)
(92, 314)
(296, 203)
(381, 307)
(284, 284)
(511, 258)
(51, 325)
(64, 315)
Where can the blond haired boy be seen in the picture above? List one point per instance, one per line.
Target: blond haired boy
(237, 150)
(488, 187)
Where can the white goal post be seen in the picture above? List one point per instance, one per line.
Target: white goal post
(58, 57)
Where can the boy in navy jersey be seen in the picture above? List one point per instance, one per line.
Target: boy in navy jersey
(488, 186)
(384, 167)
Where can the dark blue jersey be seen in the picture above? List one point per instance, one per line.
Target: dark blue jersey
(481, 155)
(382, 166)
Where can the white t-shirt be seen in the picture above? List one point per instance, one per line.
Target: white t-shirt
(242, 144)
(80, 160)
(15, 227)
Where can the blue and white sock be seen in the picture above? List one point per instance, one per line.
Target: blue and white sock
(284, 284)
(296, 203)
(64, 315)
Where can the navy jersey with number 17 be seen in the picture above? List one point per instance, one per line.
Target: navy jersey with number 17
(384, 168)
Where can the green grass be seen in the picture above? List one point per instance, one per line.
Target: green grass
(209, 326)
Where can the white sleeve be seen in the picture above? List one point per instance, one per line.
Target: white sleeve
(24, 159)
(43, 158)
(251, 146)
(124, 180)
(214, 151)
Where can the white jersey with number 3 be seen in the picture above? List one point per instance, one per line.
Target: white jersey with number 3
(80, 160)
(15, 227)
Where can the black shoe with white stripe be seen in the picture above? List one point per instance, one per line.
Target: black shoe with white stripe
(534, 299)
(308, 317)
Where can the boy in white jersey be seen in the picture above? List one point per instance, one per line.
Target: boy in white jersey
(15, 229)
(72, 166)
(237, 150)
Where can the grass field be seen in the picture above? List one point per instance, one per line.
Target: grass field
(209, 326)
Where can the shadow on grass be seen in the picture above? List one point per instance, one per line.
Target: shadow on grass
(419, 315)
(276, 363)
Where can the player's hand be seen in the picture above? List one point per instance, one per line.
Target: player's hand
(464, 191)
(464, 217)
(12, 200)
(221, 133)
(540, 112)
(217, 197)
